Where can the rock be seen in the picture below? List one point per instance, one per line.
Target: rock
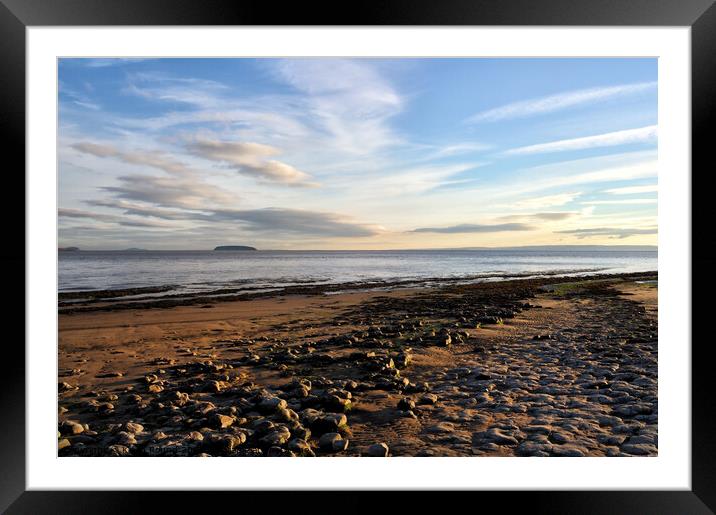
(378, 450)
(558, 437)
(222, 444)
(332, 442)
(441, 427)
(118, 450)
(271, 404)
(444, 340)
(125, 438)
(286, 415)
(527, 448)
(406, 404)
(214, 387)
(195, 436)
(336, 404)
(629, 410)
(301, 432)
(70, 427)
(105, 407)
(278, 452)
(277, 437)
(300, 447)
(428, 398)
(495, 435)
(66, 387)
(63, 443)
(110, 374)
(134, 398)
(328, 423)
(640, 449)
(222, 421)
(133, 427)
(568, 451)
(155, 388)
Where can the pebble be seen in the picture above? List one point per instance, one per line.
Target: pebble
(428, 398)
(378, 450)
(222, 421)
(133, 427)
(70, 427)
(332, 442)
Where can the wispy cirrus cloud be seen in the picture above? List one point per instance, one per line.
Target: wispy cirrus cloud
(158, 87)
(104, 62)
(637, 170)
(421, 179)
(190, 193)
(476, 228)
(151, 159)
(250, 159)
(108, 218)
(620, 202)
(297, 221)
(558, 199)
(609, 232)
(558, 102)
(270, 221)
(610, 139)
(183, 187)
(546, 217)
(348, 100)
(630, 190)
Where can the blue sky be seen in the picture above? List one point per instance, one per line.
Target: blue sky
(356, 153)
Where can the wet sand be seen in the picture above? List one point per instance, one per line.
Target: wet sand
(547, 367)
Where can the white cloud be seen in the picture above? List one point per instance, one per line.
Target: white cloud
(151, 159)
(628, 190)
(457, 149)
(625, 201)
(625, 137)
(610, 232)
(555, 216)
(419, 179)
(558, 102)
(617, 173)
(250, 159)
(476, 228)
(159, 87)
(346, 99)
(559, 199)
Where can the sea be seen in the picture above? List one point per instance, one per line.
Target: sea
(189, 272)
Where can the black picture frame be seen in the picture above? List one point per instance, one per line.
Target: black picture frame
(17, 15)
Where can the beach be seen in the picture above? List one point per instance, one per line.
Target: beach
(546, 366)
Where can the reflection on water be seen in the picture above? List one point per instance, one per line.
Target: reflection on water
(194, 271)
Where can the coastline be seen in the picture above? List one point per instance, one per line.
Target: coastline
(554, 366)
(161, 296)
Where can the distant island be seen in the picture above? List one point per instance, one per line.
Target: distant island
(68, 249)
(234, 247)
(133, 249)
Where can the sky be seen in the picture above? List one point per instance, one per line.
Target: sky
(327, 153)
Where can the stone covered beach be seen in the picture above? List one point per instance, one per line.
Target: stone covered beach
(555, 366)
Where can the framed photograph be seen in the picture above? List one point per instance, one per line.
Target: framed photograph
(455, 239)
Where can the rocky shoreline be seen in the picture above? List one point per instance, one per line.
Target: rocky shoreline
(162, 296)
(533, 367)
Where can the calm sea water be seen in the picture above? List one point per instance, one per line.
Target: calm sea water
(194, 271)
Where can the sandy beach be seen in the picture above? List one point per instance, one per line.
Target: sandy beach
(533, 367)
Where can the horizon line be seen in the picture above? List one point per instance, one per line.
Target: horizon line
(509, 247)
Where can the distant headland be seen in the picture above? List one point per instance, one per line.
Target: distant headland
(68, 249)
(234, 247)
